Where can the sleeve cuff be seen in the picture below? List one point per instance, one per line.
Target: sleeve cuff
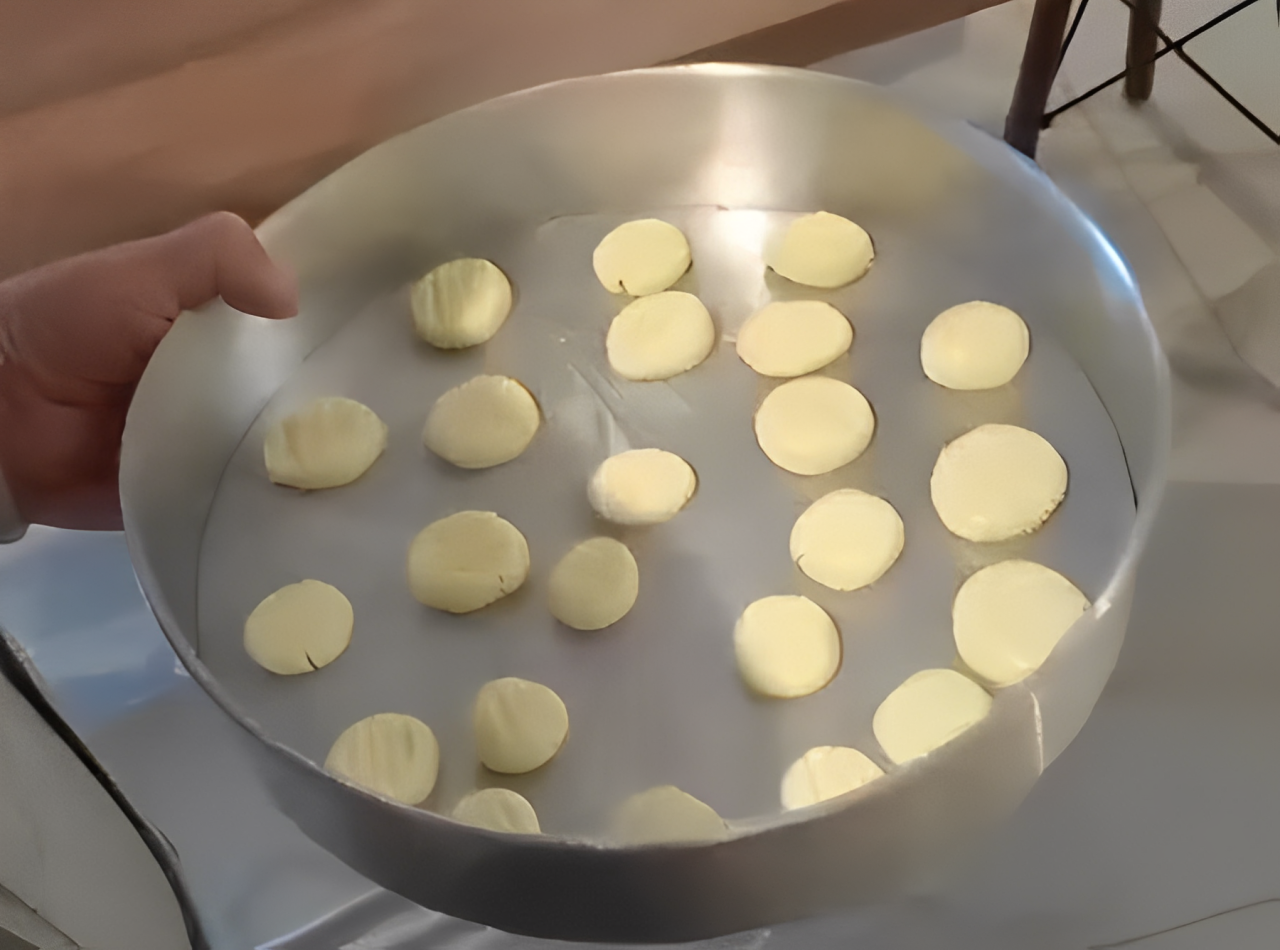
(12, 527)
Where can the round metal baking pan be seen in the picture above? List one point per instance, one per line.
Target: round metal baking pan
(532, 181)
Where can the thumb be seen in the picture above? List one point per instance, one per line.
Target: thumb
(219, 255)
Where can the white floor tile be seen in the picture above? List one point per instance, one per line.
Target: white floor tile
(1153, 176)
(1251, 318)
(1220, 250)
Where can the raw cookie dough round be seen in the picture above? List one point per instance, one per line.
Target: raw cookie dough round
(594, 585)
(666, 815)
(976, 345)
(299, 628)
(826, 771)
(822, 250)
(997, 482)
(329, 442)
(390, 753)
(814, 424)
(519, 725)
(466, 561)
(786, 646)
(498, 809)
(847, 539)
(461, 303)
(1008, 617)
(929, 710)
(484, 422)
(793, 337)
(641, 257)
(660, 336)
(642, 486)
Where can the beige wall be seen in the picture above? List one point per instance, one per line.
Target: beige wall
(120, 118)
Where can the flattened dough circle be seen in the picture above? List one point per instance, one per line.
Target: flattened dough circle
(997, 482)
(519, 725)
(666, 815)
(484, 422)
(792, 337)
(498, 809)
(826, 771)
(847, 539)
(299, 628)
(1008, 617)
(814, 424)
(641, 257)
(641, 486)
(928, 710)
(594, 585)
(461, 303)
(329, 442)
(466, 561)
(390, 753)
(822, 250)
(660, 336)
(975, 345)
(786, 646)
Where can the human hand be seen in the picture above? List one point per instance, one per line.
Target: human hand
(75, 337)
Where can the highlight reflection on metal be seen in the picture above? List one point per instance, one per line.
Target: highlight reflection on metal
(730, 153)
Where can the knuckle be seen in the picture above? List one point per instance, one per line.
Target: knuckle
(225, 225)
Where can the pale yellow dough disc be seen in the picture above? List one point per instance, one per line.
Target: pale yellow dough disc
(929, 710)
(519, 724)
(484, 422)
(1008, 617)
(976, 345)
(466, 561)
(594, 585)
(461, 303)
(822, 250)
(331, 441)
(660, 336)
(666, 815)
(997, 482)
(793, 337)
(824, 772)
(392, 754)
(814, 424)
(786, 646)
(641, 257)
(642, 486)
(498, 809)
(299, 628)
(847, 539)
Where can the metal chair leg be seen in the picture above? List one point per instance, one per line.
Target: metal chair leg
(1035, 77)
(1144, 15)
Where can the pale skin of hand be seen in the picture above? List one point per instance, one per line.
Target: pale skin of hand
(75, 337)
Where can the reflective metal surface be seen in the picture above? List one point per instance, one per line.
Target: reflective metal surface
(531, 181)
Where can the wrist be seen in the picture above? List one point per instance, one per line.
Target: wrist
(12, 525)
(15, 402)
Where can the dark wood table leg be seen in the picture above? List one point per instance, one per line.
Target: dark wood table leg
(1143, 16)
(1035, 78)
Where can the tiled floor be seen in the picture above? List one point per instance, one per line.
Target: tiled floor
(1184, 185)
